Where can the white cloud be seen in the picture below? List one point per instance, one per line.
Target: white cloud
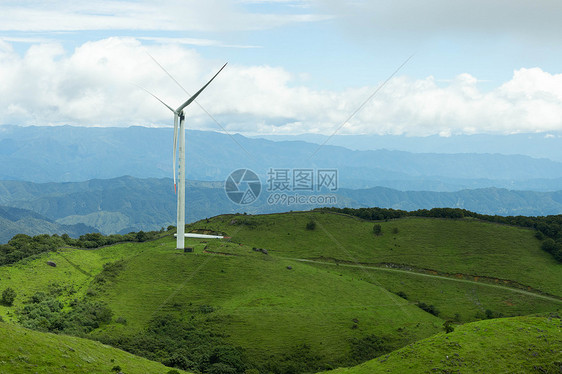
(194, 42)
(16, 39)
(92, 86)
(170, 15)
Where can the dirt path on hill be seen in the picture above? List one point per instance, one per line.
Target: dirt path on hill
(532, 292)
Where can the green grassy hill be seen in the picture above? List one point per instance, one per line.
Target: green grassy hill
(27, 351)
(506, 345)
(254, 300)
(464, 267)
(281, 294)
(262, 305)
(465, 246)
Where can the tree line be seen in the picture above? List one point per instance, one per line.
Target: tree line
(24, 246)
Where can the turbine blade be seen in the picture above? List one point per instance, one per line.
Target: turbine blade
(154, 96)
(175, 148)
(190, 100)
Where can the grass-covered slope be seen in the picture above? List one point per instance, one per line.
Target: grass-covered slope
(75, 269)
(267, 305)
(277, 289)
(467, 268)
(464, 246)
(505, 345)
(261, 304)
(28, 351)
(458, 299)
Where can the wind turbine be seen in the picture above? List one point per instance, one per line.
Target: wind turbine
(179, 131)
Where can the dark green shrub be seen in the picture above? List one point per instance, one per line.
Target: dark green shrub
(88, 316)
(229, 359)
(311, 225)
(20, 241)
(94, 237)
(8, 296)
(428, 308)
(368, 347)
(67, 239)
(88, 244)
(141, 236)
(22, 246)
(37, 297)
(377, 229)
(402, 294)
(221, 368)
(179, 360)
(549, 245)
(180, 344)
(110, 271)
(43, 313)
(539, 235)
(558, 255)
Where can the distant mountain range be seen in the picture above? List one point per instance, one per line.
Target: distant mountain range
(537, 145)
(117, 205)
(70, 179)
(126, 204)
(68, 154)
(492, 201)
(15, 221)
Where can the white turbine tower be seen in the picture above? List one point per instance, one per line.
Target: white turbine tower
(180, 132)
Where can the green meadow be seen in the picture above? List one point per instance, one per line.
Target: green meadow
(507, 345)
(287, 298)
(463, 246)
(25, 351)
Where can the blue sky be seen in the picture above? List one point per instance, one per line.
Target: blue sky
(294, 66)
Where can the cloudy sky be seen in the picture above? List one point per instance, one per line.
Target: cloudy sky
(295, 66)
